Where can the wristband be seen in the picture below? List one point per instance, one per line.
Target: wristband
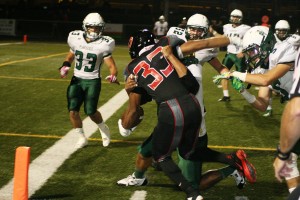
(281, 155)
(240, 75)
(249, 97)
(66, 63)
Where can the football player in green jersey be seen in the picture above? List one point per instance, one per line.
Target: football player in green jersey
(89, 48)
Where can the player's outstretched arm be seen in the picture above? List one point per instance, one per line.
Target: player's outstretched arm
(192, 46)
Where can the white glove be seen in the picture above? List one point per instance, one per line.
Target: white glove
(64, 71)
(124, 132)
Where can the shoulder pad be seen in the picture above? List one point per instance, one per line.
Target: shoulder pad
(76, 32)
(294, 40)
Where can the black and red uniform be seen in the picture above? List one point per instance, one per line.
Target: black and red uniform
(179, 113)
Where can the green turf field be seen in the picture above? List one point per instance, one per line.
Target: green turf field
(34, 114)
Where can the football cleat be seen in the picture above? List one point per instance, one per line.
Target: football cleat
(239, 179)
(105, 134)
(245, 166)
(131, 180)
(82, 142)
(224, 99)
(268, 113)
(199, 197)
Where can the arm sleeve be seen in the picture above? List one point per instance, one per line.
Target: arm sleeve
(190, 82)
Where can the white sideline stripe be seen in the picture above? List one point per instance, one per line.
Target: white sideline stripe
(3, 44)
(139, 195)
(45, 165)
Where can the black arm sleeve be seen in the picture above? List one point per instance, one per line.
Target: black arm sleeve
(190, 83)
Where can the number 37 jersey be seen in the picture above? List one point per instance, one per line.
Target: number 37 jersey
(89, 55)
(156, 74)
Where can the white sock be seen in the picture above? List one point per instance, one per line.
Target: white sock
(102, 126)
(226, 93)
(270, 104)
(80, 131)
(291, 189)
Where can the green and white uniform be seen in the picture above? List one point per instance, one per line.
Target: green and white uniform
(85, 85)
(284, 52)
(233, 49)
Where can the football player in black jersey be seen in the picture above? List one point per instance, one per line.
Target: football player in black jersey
(179, 114)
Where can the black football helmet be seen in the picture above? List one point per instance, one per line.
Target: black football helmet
(139, 40)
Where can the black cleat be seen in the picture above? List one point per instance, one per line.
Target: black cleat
(225, 99)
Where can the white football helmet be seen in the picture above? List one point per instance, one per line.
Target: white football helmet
(236, 16)
(93, 20)
(161, 18)
(258, 43)
(282, 29)
(197, 26)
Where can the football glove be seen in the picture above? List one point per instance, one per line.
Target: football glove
(123, 131)
(112, 79)
(64, 69)
(237, 84)
(218, 78)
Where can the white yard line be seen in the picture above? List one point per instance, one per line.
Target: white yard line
(45, 165)
(139, 195)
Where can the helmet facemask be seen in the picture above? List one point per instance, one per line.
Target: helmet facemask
(195, 32)
(235, 19)
(257, 55)
(282, 33)
(93, 32)
(197, 27)
(93, 25)
(253, 56)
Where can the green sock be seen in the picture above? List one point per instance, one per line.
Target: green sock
(139, 173)
(226, 171)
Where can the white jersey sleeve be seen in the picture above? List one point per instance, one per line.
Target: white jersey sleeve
(283, 52)
(89, 55)
(206, 55)
(179, 32)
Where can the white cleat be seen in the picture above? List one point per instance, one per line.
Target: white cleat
(105, 134)
(131, 180)
(82, 142)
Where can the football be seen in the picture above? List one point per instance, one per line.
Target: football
(131, 123)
